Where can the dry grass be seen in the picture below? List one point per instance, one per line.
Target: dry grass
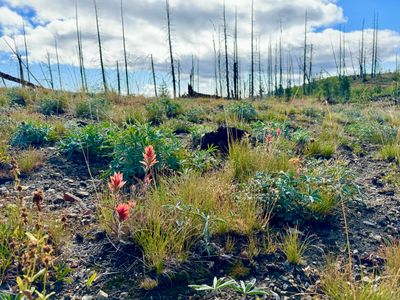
(29, 160)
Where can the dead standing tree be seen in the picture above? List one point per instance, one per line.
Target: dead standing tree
(170, 48)
(80, 51)
(124, 46)
(226, 55)
(103, 72)
(252, 52)
(305, 56)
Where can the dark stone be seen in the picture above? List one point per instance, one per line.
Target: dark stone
(99, 236)
(377, 182)
(222, 137)
(79, 238)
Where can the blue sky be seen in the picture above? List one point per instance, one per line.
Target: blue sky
(356, 10)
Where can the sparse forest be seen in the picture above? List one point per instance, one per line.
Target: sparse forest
(280, 180)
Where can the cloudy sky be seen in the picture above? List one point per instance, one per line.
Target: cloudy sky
(195, 25)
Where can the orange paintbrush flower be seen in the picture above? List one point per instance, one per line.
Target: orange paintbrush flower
(268, 138)
(149, 157)
(116, 182)
(123, 211)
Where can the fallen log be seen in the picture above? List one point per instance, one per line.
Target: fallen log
(17, 80)
(193, 94)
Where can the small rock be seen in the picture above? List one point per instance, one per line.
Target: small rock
(87, 297)
(101, 295)
(4, 191)
(376, 237)
(82, 193)
(369, 223)
(71, 198)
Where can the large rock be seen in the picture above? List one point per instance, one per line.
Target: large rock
(222, 137)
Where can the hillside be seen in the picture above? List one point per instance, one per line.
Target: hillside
(114, 197)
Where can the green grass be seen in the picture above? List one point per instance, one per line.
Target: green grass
(390, 152)
(293, 247)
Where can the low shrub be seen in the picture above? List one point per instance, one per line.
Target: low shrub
(243, 111)
(16, 97)
(159, 110)
(155, 113)
(313, 113)
(373, 132)
(195, 115)
(52, 106)
(91, 141)
(202, 160)
(30, 134)
(172, 108)
(297, 197)
(128, 145)
(92, 108)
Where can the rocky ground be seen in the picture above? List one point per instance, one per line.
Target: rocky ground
(71, 192)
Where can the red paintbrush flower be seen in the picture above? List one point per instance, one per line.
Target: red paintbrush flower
(268, 138)
(123, 211)
(116, 182)
(149, 157)
(278, 132)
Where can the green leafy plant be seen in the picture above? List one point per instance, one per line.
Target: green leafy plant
(248, 288)
(16, 97)
(243, 111)
(159, 110)
(202, 160)
(297, 197)
(195, 115)
(172, 108)
(91, 140)
(155, 113)
(242, 287)
(217, 285)
(52, 106)
(128, 145)
(373, 132)
(30, 134)
(92, 108)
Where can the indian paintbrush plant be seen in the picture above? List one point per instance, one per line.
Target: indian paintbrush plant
(120, 205)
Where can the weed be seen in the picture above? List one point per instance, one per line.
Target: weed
(148, 284)
(390, 152)
(30, 159)
(293, 247)
(239, 270)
